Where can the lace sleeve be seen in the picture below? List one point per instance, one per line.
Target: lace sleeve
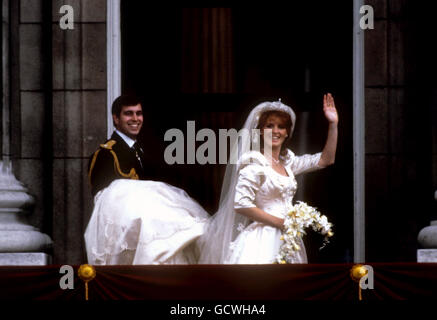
(249, 181)
(305, 163)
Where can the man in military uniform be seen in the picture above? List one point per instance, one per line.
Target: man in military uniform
(121, 157)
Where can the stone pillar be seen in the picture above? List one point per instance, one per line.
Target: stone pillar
(4, 112)
(358, 135)
(396, 137)
(79, 120)
(20, 243)
(428, 240)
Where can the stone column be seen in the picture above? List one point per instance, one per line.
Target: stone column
(358, 135)
(4, 115)
(20, 243)
(79, 120)
(113, 57)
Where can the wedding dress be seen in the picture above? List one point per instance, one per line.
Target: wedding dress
(251, 182)
(144, 222)
(259, 185)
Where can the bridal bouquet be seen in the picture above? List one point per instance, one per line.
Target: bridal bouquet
(297, 220)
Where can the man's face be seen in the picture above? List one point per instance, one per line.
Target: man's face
(130, 120)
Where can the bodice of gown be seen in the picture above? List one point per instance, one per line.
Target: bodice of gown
(259, 185)
(276, 194)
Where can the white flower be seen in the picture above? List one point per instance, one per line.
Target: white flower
(300, 217)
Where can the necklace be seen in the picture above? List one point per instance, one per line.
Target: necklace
(274, 160)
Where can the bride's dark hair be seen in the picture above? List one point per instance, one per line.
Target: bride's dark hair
(286, 119)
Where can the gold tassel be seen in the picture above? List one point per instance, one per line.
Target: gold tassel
(357, 272)
(359, 292)
(87, 273)
(86, 290)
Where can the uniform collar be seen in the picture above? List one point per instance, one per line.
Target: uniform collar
(130, 142)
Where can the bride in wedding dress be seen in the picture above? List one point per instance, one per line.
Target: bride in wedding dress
(258, 190)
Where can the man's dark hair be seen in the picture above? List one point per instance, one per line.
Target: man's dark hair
(124, 101)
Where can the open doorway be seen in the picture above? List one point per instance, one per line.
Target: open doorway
(212, 65)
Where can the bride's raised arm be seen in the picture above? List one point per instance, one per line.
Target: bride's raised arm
(328, 153)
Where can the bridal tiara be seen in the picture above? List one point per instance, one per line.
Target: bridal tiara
(274, 105)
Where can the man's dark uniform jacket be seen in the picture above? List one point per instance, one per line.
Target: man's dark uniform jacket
(114, 160)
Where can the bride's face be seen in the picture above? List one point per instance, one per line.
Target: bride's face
(274, 132)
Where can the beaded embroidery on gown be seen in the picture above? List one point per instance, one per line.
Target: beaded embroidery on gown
(144, 222)
(259, 185)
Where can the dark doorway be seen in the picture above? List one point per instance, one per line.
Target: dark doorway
(212, 65)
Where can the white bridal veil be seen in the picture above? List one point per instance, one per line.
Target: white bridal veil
(225, 224)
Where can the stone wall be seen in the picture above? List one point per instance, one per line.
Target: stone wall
(28, 102)
(58, 113)
(398, 144)
(79, 120)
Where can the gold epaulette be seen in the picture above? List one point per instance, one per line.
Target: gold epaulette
(108, 146)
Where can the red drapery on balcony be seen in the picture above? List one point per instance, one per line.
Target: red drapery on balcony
(392, 281)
